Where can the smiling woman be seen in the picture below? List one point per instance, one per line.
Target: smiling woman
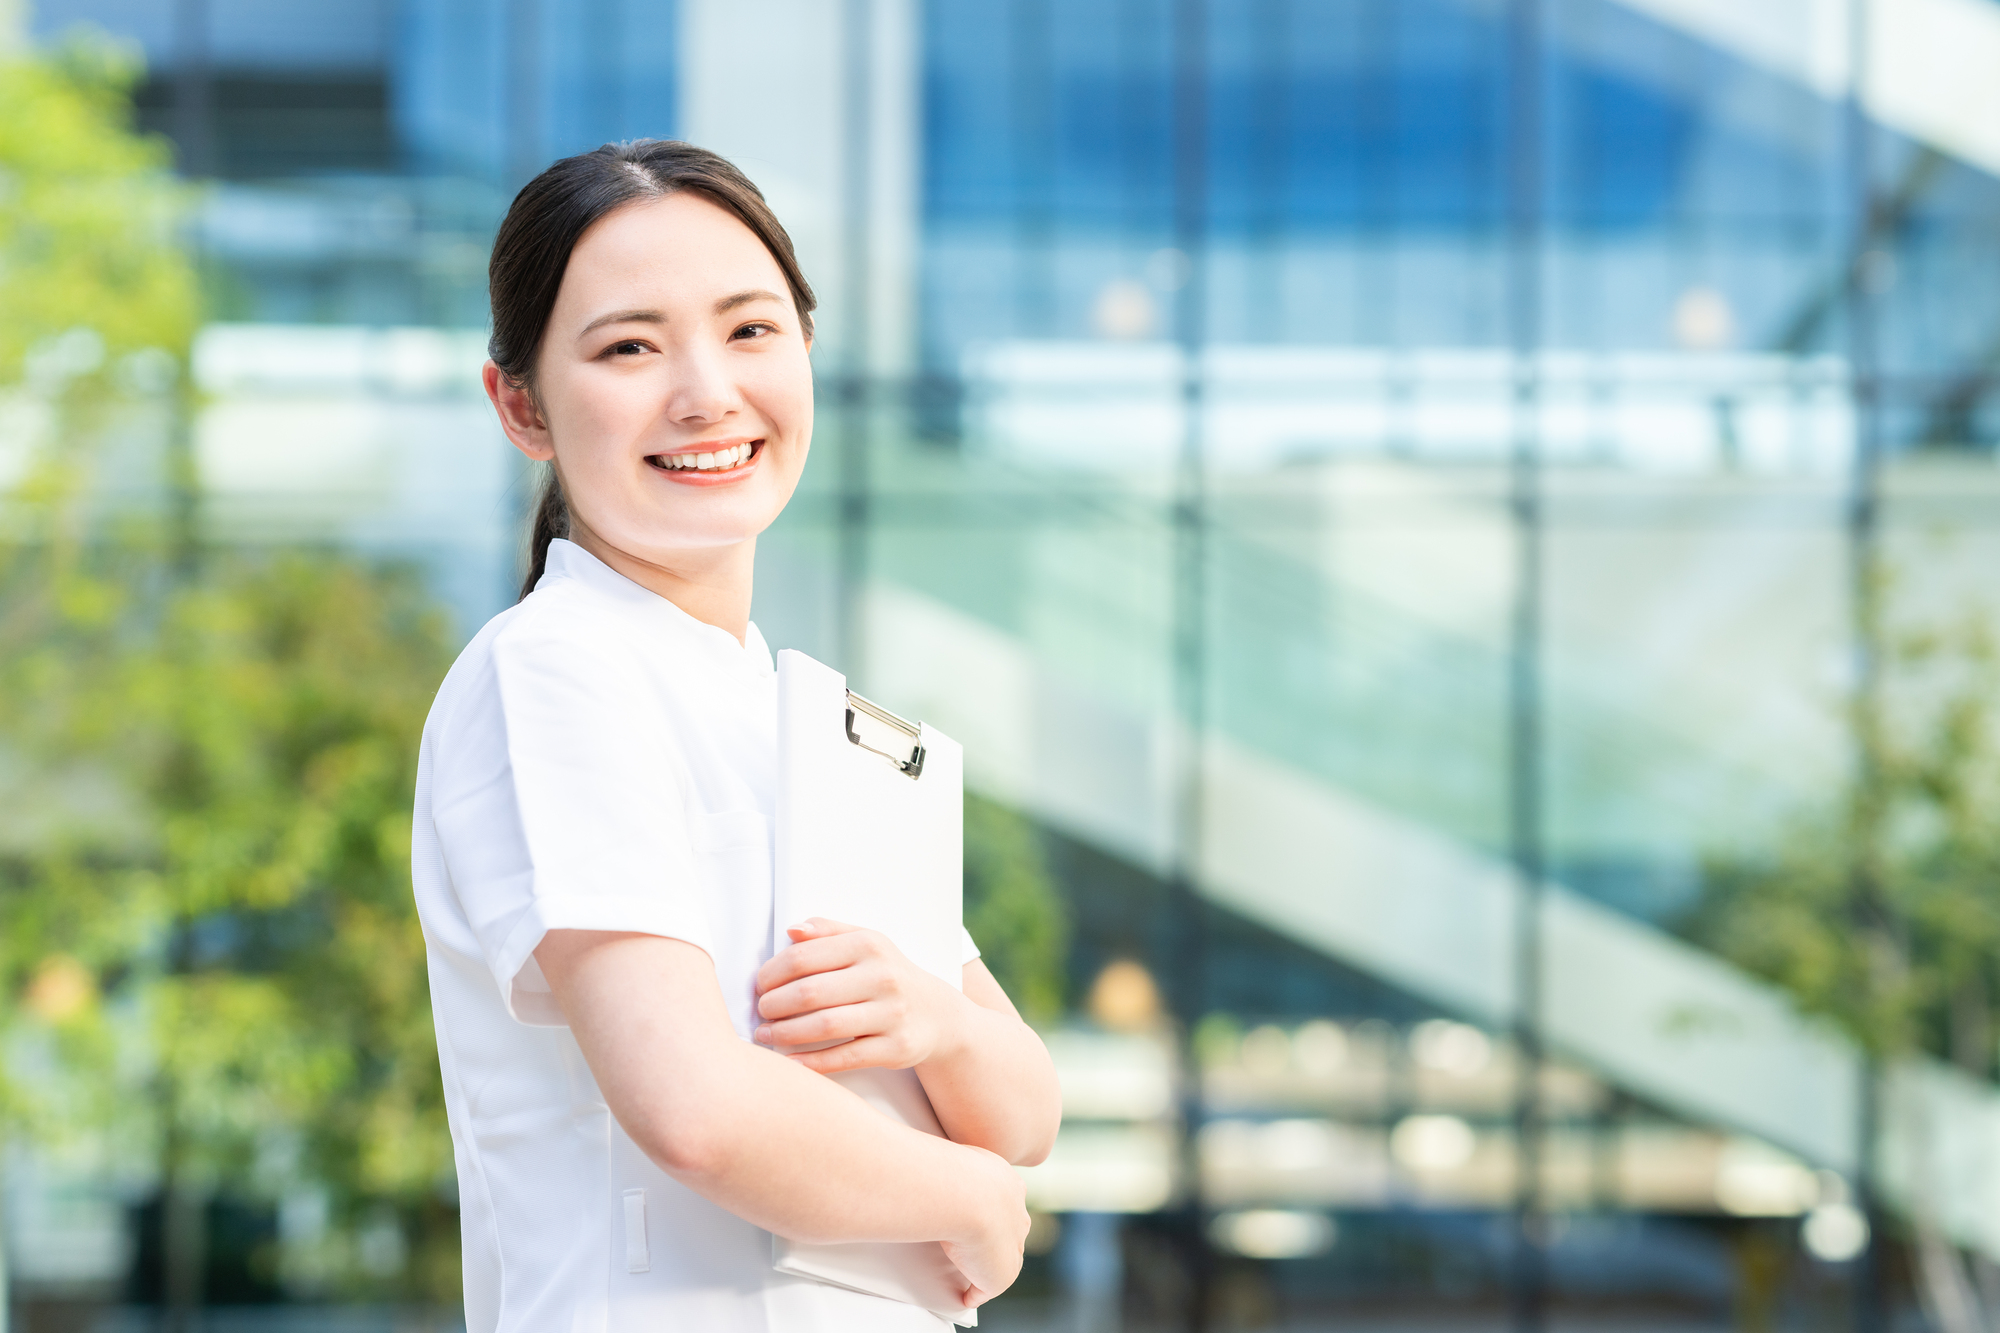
(592, 843)
(652, 397)
(701, 362)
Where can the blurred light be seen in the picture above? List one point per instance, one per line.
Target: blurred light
(148, 372)
(1431, 1143)
(1319, 1048)
(1231, 1144)
(1835, 1232)
(1450, 1048)
(304, 1223)
(1756, 1180)
(1295, 1145)
(1123, 310)
(1168, 269)
(1104, 1169)
(380, 1247)
(1106, 1077)
(1124, 998)
(1269, 406)
(62, 989)
(283, 360)
(1044, 1230)
(1273, 1233)
(1703, 320)
(1217, 1041)
(1266, 1050)
(55, 361)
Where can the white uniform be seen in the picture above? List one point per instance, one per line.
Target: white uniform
(597, 759)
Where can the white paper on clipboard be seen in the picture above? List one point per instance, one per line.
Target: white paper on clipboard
(871, 832)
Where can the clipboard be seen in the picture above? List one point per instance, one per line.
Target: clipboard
(871, 832)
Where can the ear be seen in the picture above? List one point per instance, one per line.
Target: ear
(519, 416)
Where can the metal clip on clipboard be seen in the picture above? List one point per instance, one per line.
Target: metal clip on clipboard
(910, 765)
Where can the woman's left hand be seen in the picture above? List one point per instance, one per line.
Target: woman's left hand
(841, 983)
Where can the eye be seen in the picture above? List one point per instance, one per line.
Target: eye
(629, 347)
(758, 329)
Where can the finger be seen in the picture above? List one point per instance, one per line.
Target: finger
(817, 927)
(973, 1297)
(827, 990)
(822, 990)
(870, 1052)
(810, 956)
(841, 1023)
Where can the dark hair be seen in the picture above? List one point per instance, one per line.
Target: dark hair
(541, 229)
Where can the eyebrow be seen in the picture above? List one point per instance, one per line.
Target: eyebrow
(726, 304)
(623, 317)
(745, 297)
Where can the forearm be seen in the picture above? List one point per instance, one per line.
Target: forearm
(994, 1086)
(797, 1154)
(774, 1143)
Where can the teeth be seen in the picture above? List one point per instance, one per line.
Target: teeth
(710, 462)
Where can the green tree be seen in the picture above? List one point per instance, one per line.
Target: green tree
(88, 216)
(207, 939)
(95, 297)
(1012, 908)
(1883, 913)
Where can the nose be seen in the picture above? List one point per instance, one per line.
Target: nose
(700, 390)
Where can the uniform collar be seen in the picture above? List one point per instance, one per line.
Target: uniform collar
(567, 560)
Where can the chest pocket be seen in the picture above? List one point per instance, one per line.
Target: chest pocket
(733, 850)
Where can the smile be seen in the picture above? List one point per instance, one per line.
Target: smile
(706, 462)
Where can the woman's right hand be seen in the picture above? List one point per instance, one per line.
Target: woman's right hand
(989, 1255)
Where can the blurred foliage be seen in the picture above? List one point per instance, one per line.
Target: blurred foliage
(215, 880)
(88, 217)
(209, 957)
(1013, 910)
(1884, 915)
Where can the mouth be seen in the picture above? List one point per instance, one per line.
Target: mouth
(709, 462)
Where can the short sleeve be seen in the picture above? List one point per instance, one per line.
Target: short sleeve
(558, 801)
(968, 950)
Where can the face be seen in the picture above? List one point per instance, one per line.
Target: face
(672, 387)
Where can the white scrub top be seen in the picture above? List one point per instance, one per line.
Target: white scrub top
(598, 759)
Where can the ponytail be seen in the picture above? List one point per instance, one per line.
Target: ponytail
(551, 522)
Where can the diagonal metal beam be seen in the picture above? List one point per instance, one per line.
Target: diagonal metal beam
(1888, 218)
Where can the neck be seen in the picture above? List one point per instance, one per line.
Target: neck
(712, 584)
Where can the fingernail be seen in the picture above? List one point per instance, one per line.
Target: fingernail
(803, 926)
(762, 1034)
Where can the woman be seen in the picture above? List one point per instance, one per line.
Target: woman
(593, 826)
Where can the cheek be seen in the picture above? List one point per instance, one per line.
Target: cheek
(617, 408)
(594, 424)
(785, 392)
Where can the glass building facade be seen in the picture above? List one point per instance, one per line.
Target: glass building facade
(1394, 491)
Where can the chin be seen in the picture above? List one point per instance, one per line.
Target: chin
(665, 535)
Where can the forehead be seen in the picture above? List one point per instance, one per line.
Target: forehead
(673, 250)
